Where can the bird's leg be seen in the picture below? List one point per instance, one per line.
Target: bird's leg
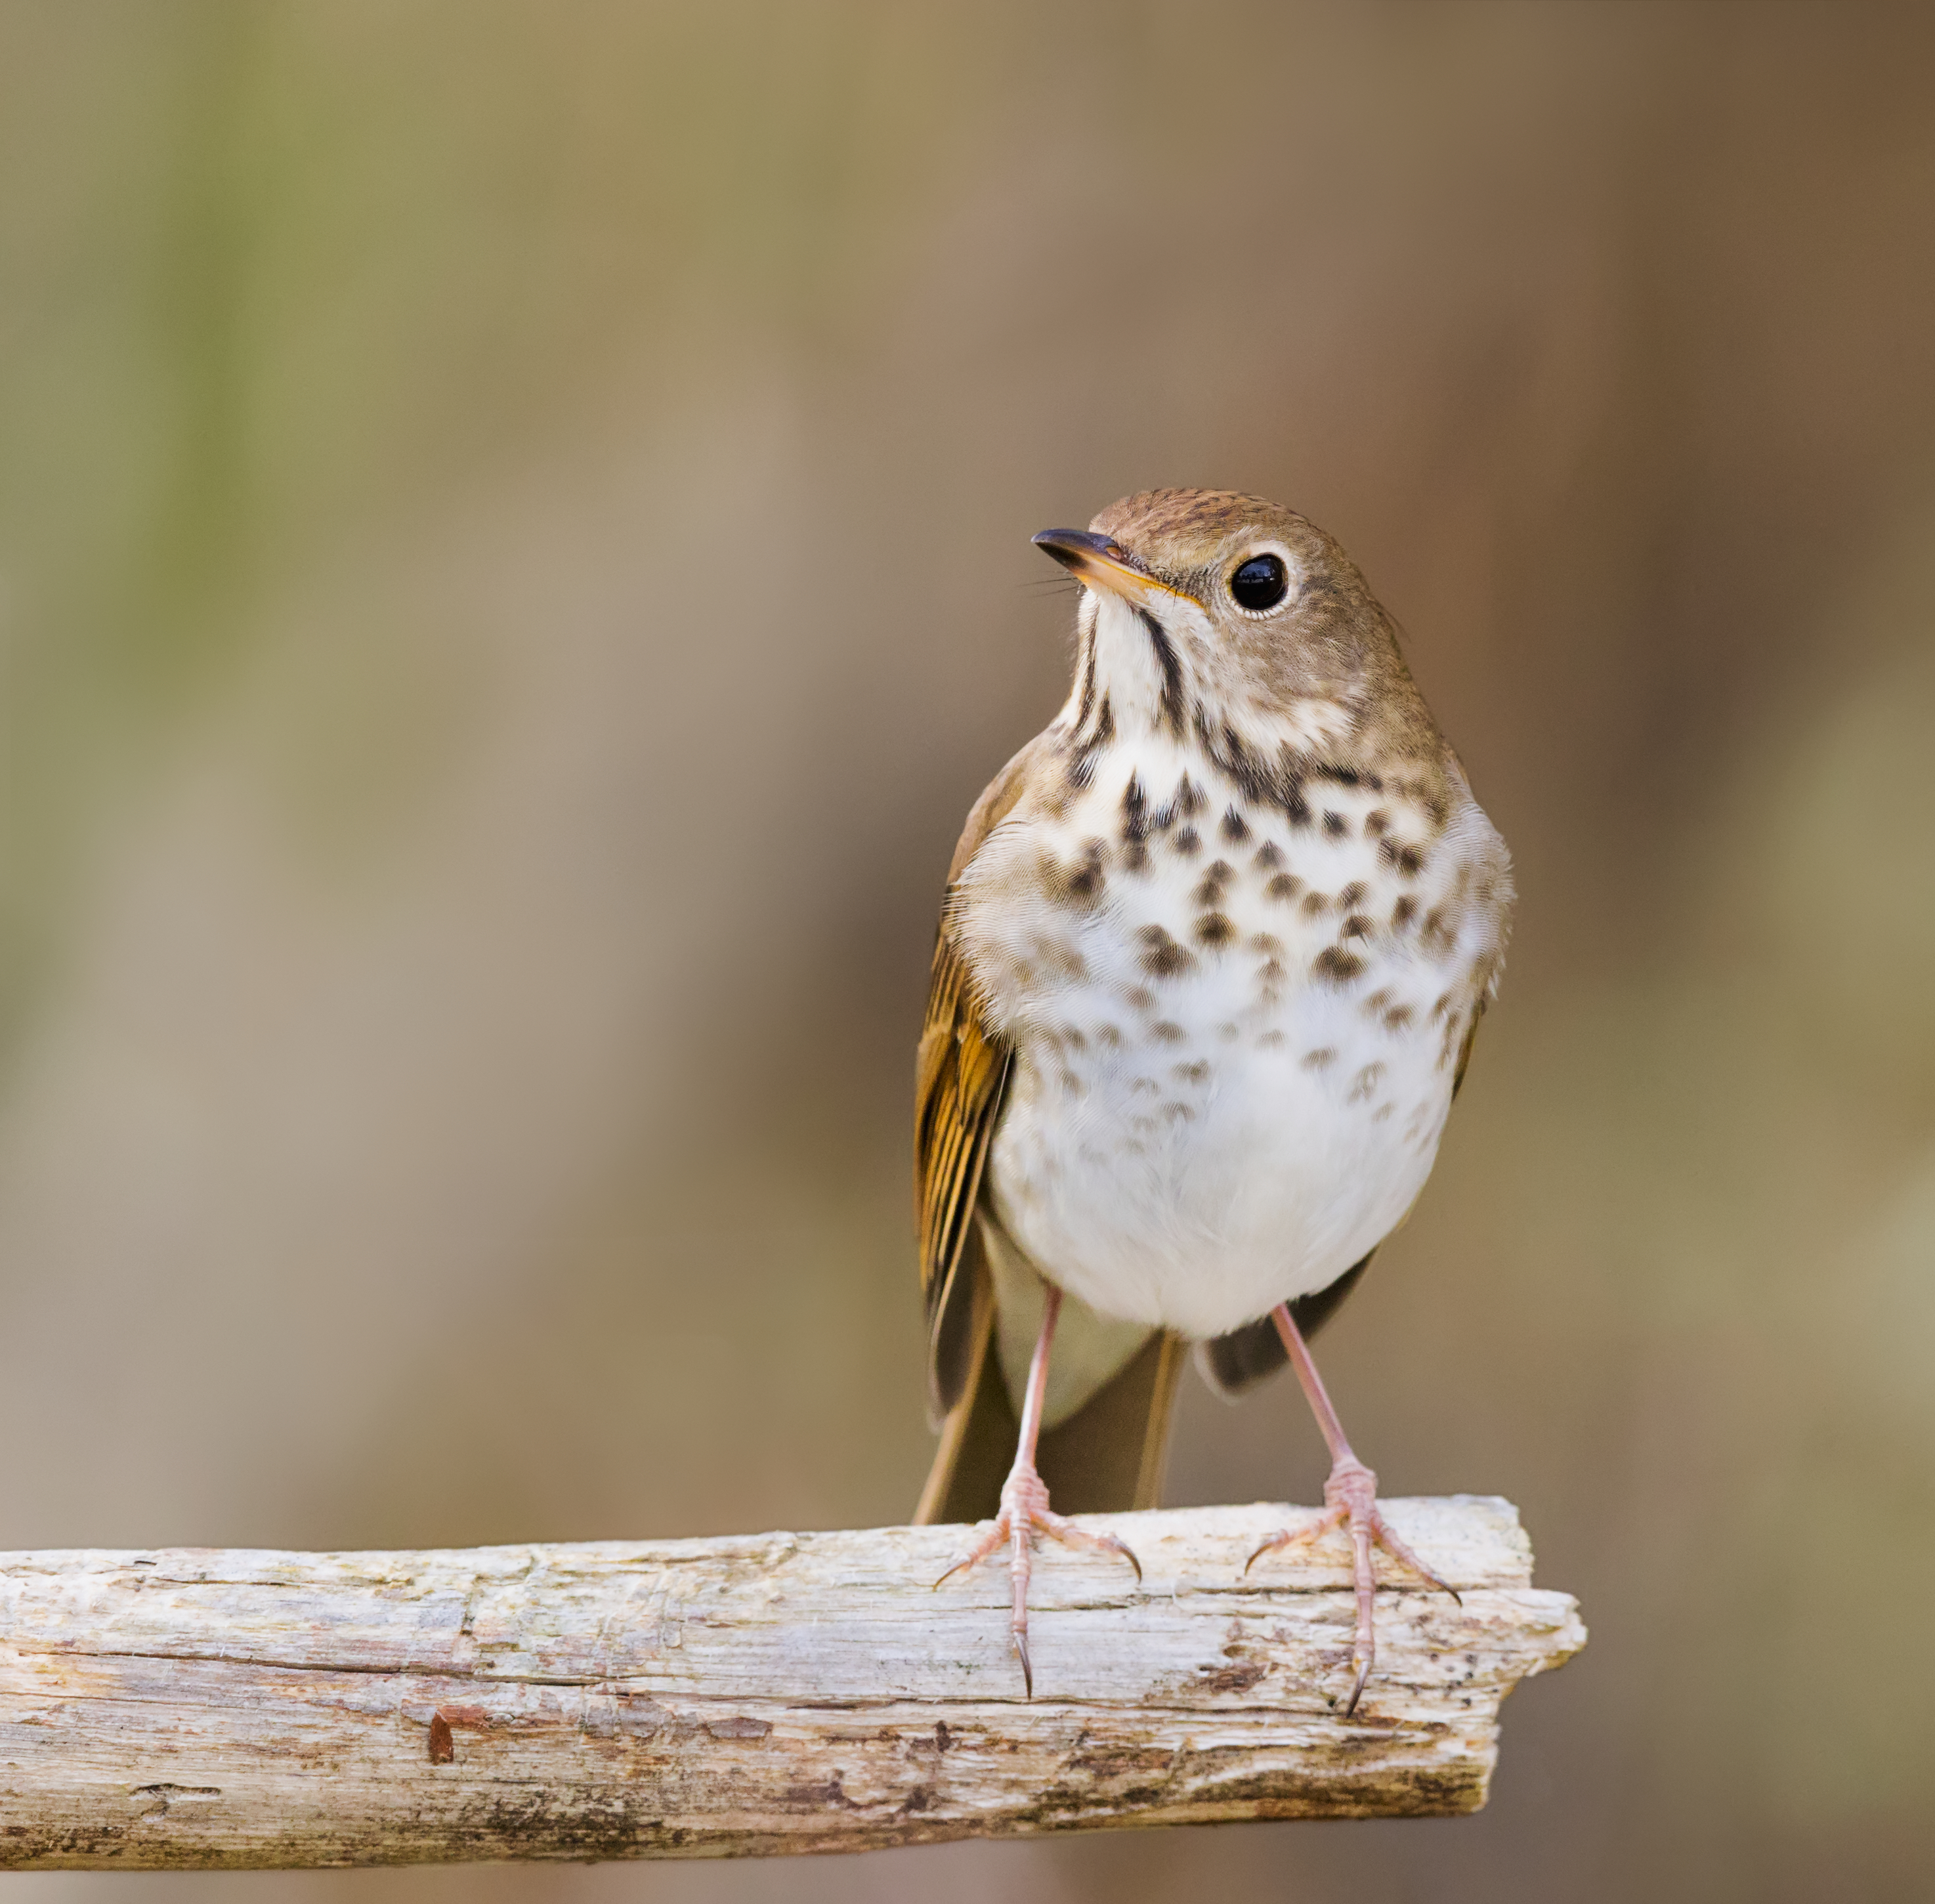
(1350, 1500)
(1024, 1508)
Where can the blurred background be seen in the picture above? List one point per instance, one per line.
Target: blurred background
(514, 564)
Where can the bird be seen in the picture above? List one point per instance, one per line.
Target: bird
(1213, 950)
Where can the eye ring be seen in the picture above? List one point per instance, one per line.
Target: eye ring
(1260, 582)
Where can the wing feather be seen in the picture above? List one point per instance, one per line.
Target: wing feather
(961, 1074)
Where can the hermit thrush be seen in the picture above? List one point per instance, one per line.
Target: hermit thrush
(1213, 951)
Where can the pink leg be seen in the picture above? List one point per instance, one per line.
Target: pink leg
(1025, 1506)
(1350, 1497)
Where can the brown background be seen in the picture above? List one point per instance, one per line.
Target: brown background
(513, 564)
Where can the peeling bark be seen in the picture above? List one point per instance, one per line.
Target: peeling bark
(783, 1693)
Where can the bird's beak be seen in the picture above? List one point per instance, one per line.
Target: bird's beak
(1103, 564)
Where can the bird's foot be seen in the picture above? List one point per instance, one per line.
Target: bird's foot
(1025, 1512)
(1351, 1501)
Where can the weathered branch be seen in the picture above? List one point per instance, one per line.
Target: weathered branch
(789, 1692)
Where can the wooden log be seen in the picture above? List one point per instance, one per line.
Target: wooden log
(786, 1692)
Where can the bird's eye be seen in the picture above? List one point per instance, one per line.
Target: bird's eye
(1261, 583)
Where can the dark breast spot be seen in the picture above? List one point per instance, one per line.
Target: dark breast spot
(1315, 903)
(1165, 1031)
(1317, 1059)
(1214, 929)
(1376, 823)
(1236, 828)
(1269, 855)
(1209, 888)
(1285, 886)
(1081, 886)
(1403, 913)
(1188, 840)
(1065, 961)
(1349, 776)
(1335, 965)
(1352, 897)
(1335, 824)
(1356, 927)
(1197, 1073)
(1408, 860)
(1161, 955)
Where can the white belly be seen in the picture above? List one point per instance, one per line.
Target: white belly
(1196, 1185)
(1188, 1148)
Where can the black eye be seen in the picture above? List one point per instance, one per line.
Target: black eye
(1261, 583)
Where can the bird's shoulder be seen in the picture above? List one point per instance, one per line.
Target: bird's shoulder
(1037, 765)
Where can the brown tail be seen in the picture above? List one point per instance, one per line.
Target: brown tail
(1105, 1458)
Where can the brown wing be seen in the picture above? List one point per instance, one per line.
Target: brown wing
(960, 1070)
(959, 1073)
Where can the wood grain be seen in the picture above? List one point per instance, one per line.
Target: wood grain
(780, 1693)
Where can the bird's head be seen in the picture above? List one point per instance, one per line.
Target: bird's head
(1212, 614)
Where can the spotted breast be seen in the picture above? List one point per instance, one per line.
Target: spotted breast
(1235, 1030)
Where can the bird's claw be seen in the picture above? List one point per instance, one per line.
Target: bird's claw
(1026, 1511)
(1351, 1501)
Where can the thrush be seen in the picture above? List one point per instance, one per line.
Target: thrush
(1213, 951)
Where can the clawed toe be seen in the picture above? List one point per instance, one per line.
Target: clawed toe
(1294, 1537)
(1405, 1556)
(1057, 1528)
(979, 1551)
(1025, 1509)
(1351, 1502)
(1024, 1514)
